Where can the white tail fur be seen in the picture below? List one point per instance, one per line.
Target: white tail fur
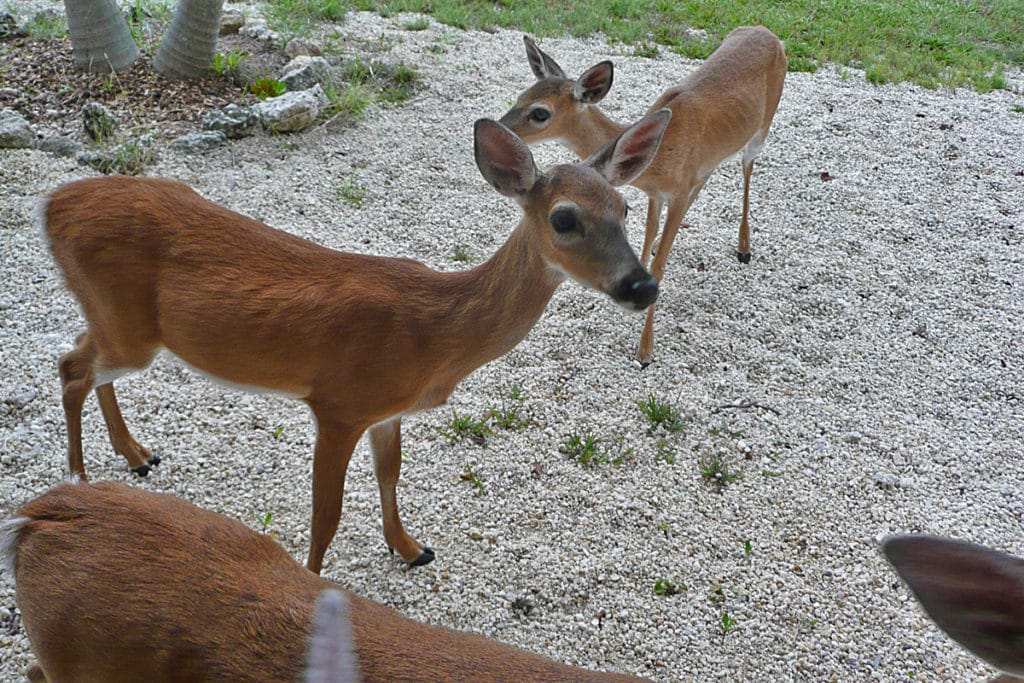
(119, 584)
(973, 593)
(723, 107)
(331, 654)
(362, 340)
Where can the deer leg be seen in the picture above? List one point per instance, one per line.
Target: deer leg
(386, 442)
(334, 446)
(34, 673)
(743, 249)
(654, 207)
(139, 458)
(77, 377)
(676, 211)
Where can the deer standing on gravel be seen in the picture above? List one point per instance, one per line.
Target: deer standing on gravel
(115, 583)
(362, 340)
(723, 107)
(973, 593)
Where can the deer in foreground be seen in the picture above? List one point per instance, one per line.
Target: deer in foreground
(974, 594)
(362, 340)
(723, 107)
(115, 583)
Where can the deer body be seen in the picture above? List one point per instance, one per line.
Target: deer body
(361, 339)
(115, 583)
(723, 108)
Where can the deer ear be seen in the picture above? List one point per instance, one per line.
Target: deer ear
(626, 157)
(503, 159)
(973, 593)
(594, 84)
(541, 64)
(331, 657)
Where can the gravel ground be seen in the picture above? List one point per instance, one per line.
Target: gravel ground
(875, 338)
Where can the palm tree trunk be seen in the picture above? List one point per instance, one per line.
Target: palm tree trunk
(100, 39)
(187, 48)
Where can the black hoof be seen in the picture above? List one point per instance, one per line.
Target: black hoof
(644, 364)
(153, 460)
(744, 258)
(426, 557)
(141, 470)
(391, 550)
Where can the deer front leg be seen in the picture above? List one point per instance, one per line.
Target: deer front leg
(743, 246)
(386, 442)
(654, 207)
(676, 211)
(139, 458)
(334, 446)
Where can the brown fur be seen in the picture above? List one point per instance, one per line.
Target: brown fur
(361, 339)
(118, 584)
(716, 111)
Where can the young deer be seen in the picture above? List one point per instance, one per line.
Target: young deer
(362, 340)
(119, 584)
(723, 107)
(973, 593)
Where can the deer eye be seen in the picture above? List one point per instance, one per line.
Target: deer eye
(564, 221)
(540, 115)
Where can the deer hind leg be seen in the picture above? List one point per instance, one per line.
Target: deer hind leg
(750, 153)
(386, 442)
(334, 445)
(674, 219)
(138, 457)
(79, 374)
(77, 377)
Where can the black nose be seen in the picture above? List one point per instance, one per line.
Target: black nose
(639, 288)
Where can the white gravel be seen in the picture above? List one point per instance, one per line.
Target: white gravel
(878, 326)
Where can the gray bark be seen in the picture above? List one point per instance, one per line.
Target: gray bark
(100, 39)
(187, 48)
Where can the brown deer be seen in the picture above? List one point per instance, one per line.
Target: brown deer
(115, 583)
(725, 106)
(362, 340)
(973, 593)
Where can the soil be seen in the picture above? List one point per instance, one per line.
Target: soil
(39, 80)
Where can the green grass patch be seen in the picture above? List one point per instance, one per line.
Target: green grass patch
(934, 43)
(296, 18)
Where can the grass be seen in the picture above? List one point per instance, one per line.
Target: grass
(417, 24)
(46, 26)
(463, 427)
(469, 474)
(352, 192)
(509, 416)
(668, 587)
(714, 471)
(296, 18)
(934, 43)
(661, 415)
(588, 451)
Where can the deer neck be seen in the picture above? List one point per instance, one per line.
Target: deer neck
(592, 131)
(496, 304)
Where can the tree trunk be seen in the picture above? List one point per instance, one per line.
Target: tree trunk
(100, 39)
(187, 48)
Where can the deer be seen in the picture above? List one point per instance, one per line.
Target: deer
(116, 583)
(973, 593)
(722, 108)
(362, 340)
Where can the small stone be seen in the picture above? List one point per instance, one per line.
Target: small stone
(198, 142)
(301, 47)
(22, 399)
(852, 437)
(58, 147)
(305, 72)
(233, 121)
(231, 21)
(886, 480)
(15, 131)
(292, 111)
(475, 534)
(9, 27)
(99, 122)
